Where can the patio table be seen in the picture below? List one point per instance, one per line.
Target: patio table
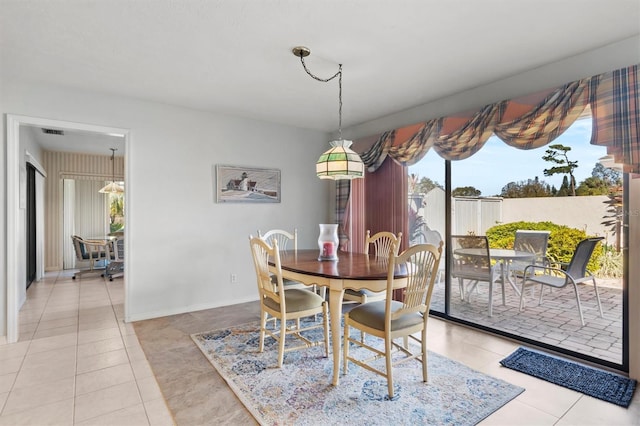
(504, 257)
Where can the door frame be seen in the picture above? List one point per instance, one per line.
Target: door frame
(13, 164)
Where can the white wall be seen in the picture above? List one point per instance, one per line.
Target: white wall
(610, 57)
(183, 247)
(585, 213)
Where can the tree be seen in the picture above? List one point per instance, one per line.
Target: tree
(465, 191)
(526, 189)
(557, 154)
(593, 186)
(603, 181)
(564, 190)
(611, 177)
(421, 186)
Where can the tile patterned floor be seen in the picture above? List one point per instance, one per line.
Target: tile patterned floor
(197, 394)
(555, 321)
(77, 362)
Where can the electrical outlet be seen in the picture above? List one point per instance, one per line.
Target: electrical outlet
(233, 278)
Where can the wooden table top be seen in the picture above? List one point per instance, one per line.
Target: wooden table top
(354, 266)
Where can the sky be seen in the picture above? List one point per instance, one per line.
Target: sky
(497, 164)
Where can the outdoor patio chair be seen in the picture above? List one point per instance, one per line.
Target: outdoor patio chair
(533, 242)
(471, 261)
(431, 236)
(575, 273)
(383, 245)
(288, 305)
(390, 319)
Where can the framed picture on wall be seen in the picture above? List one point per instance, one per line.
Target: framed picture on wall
(236, 184)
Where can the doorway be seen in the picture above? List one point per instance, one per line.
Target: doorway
(16, 205)
(30, 224)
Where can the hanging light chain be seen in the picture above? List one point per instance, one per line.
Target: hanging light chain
(326, 80)
(113, 164)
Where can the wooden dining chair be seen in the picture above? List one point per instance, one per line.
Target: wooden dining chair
(287, 241)
(286, 306)
(384, 244)
(390, 319)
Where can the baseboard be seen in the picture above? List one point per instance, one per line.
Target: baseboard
(186, 309)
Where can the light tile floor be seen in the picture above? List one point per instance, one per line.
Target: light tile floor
(77, 362)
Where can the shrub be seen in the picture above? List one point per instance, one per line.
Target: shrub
(562, 240)
(610, 263)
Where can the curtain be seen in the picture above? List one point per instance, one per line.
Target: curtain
(616, 116)
(524, 123)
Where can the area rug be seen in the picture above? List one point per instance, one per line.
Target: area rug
(590, 381)
(300, 393)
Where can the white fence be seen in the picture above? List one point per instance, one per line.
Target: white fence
(477, 214)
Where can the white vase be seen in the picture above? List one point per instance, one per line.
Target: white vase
(328, 241)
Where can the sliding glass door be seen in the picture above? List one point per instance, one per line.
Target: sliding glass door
(501, 189)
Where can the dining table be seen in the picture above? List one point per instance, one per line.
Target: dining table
(351, 271)
(504, 257)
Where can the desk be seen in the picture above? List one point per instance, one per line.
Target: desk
(504, 257)
(352, 270)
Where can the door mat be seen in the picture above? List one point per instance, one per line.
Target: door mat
(590, 381)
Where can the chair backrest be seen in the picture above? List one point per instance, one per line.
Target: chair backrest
(421, 265)
(384, 243)
(261, 251)
(431, 236)
(283, 237)
(470, 255)
(533, 242)
(80, 248)
(578, 265)
(118, 248)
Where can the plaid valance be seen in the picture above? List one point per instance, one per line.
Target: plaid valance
(616, 116)
(614, 100)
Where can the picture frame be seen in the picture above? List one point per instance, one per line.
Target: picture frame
(238, 184)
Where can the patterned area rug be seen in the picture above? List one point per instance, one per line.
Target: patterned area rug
(591, 381)
(301, 393)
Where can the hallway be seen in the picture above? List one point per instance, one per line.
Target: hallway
(77, 362)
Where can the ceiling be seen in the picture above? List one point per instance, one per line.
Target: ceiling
(234, 56)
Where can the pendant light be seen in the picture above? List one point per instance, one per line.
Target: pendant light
(339, 162)
(113, 187)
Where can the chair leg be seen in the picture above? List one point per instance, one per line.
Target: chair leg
(325, 319)
(263, 324)
(387, 348)
(575, 288)
(283, 338)
(491, 297)
(425, 365)
(345, 346)
(595, 288)
(461, 285)
(524, 281)
(473, 287)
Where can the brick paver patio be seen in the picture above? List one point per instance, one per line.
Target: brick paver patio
(556, 321)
